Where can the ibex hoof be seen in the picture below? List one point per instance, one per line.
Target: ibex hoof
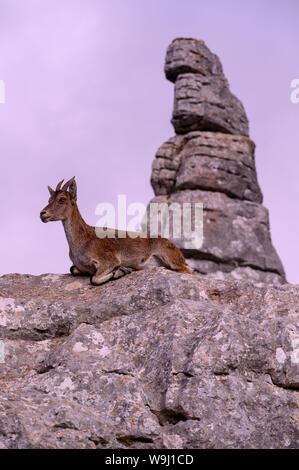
(121, 271)
(126, 270)
(75, 271)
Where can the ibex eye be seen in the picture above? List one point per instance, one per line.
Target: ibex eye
(61, 201)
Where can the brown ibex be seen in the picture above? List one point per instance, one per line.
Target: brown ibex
(105, 258)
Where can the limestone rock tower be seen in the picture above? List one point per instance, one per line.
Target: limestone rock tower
(210, 160)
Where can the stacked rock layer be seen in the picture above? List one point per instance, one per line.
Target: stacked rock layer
(211, 161)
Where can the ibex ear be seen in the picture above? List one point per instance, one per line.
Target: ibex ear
(51, 191)
(73, 189)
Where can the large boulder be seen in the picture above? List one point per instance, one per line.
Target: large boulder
(202, 98)
(210, 161)
(156, 359)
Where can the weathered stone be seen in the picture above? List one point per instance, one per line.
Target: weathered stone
(235, 233)
(222, 271)
(188, 55)
(203, 100)
(166, 164)
(209, 161)
(153, 360)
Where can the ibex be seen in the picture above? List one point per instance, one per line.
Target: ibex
(105, 258)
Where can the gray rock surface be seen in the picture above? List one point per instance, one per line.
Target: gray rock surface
(202, 99)
(156, 359)
(207, 160)
(217, 169)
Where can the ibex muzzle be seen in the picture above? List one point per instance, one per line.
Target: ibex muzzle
(105, 258)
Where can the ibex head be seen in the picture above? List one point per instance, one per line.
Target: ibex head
(61, 201)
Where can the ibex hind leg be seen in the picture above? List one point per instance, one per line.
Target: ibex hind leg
(75, 271)
(171, 256)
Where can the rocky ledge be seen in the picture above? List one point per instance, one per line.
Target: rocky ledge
(153, 360)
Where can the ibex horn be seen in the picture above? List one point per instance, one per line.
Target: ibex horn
(67, 184)
(59, 185)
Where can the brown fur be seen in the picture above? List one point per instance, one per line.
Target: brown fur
(105, 258)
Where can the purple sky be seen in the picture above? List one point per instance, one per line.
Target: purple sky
(86, 96)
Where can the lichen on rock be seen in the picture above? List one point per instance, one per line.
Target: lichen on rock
(156, 359)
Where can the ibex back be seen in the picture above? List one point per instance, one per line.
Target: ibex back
(105, 258)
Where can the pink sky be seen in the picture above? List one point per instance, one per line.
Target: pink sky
(86, 96)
